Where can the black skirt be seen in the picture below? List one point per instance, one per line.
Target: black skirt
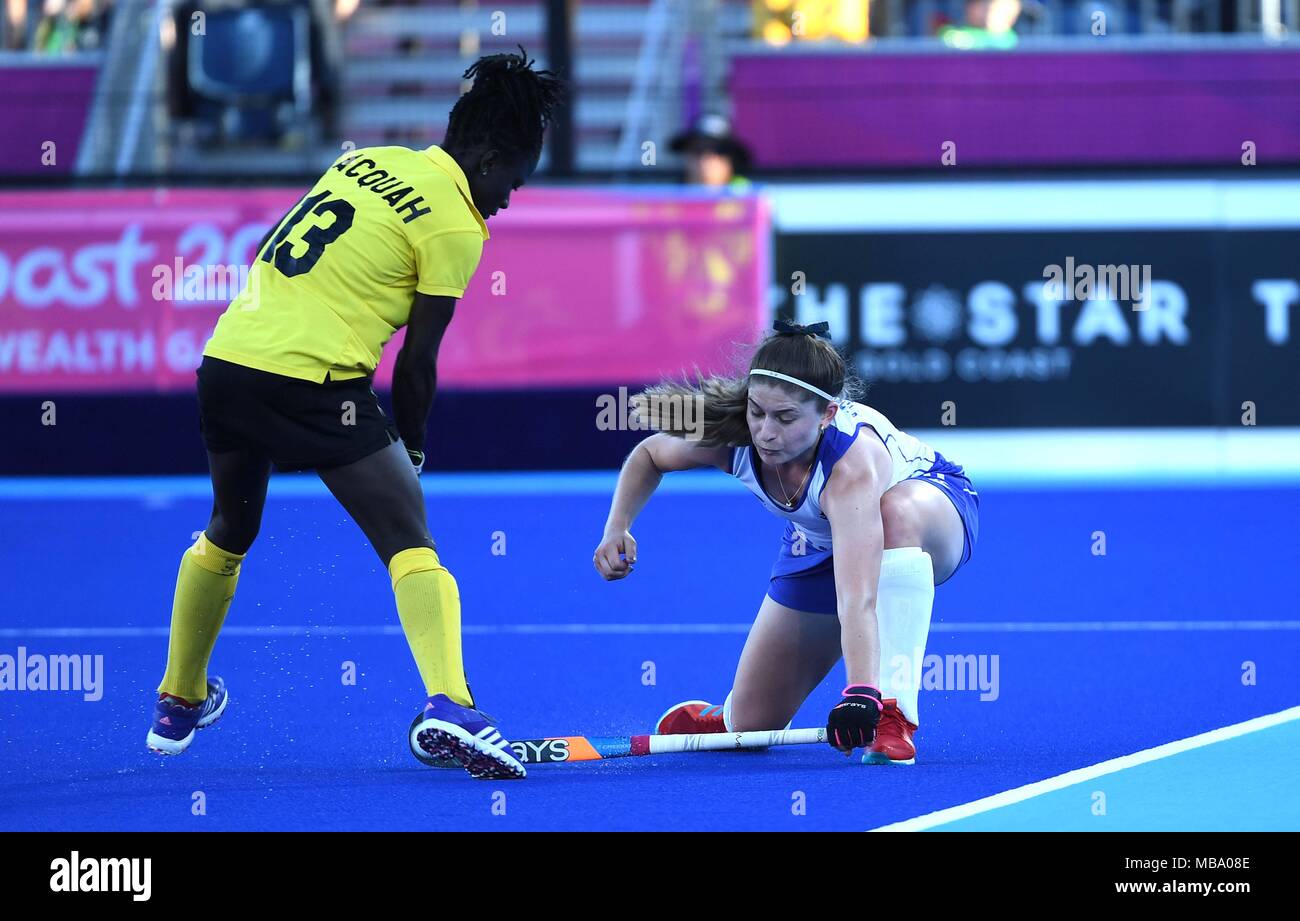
(299, 425)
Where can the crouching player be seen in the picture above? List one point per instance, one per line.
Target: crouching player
(875, 519)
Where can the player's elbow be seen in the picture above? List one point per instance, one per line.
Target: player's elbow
(414, 361)
(645, 448)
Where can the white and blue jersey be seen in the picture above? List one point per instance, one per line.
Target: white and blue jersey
(803, 577)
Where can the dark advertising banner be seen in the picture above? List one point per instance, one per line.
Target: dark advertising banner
(1161, 327)
(1260, 273)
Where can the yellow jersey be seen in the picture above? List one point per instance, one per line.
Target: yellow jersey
(337, 277)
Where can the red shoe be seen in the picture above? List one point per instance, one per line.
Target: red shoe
(693, 716)
(893, 743)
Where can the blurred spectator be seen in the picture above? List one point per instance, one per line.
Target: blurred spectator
(67, 26)
(779, 22)
(713, 156)
(989, 24)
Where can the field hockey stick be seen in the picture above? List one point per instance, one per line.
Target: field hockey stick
(581, 748)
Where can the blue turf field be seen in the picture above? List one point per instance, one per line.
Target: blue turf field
(1098, 656)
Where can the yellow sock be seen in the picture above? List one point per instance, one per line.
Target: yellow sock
(204, 589)
(428, 604)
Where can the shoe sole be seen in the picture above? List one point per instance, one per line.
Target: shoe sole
(882, 758)
(442, 740)
(418, 753)
(161, 745)
(440, 763)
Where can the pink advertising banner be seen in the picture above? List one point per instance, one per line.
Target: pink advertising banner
(118, 290)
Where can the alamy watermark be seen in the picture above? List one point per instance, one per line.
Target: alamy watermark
(948, 673)
(39, 672)
(679, 413)
(103, 874)
(1086, 282)
(201, 283)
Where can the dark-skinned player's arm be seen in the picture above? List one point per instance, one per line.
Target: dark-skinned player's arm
(415, 375)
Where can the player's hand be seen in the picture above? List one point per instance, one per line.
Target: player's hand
(616, 555)
(417, 458)
(852, 724)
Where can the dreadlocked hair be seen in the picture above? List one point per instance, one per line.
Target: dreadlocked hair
(508, 107)
(722, 401)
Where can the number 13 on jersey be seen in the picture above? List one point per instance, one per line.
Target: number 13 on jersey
(279, 251)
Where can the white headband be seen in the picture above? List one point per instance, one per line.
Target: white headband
(794, 380)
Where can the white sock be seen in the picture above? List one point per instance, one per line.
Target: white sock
(903, 605)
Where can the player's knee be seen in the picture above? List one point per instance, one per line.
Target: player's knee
(901, 519)
(744, 712)
(236, 537)
(391, 547)
(401, 530)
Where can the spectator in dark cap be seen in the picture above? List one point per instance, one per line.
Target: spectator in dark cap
(714, 157)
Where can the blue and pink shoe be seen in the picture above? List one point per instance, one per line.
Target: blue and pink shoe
(175, 721)
(447, 733)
